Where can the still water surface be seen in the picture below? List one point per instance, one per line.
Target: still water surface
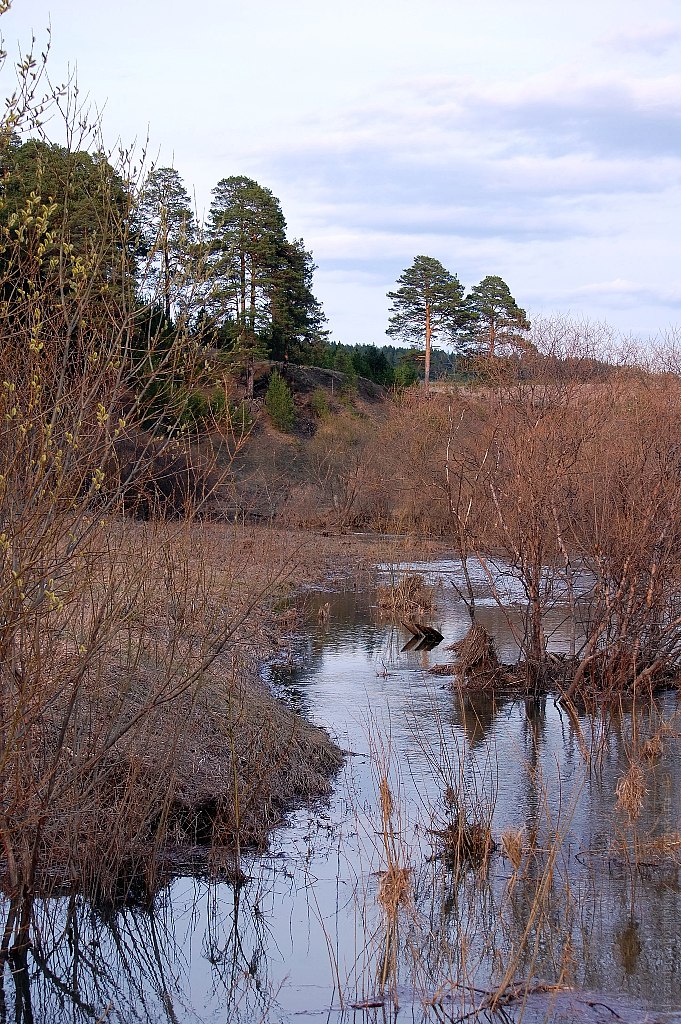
(306, 937)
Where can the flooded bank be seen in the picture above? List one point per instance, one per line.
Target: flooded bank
(357, 911)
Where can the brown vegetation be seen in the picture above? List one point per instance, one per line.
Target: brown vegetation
(132, 719)
(408, 596)
(566, 476)
(140, 721)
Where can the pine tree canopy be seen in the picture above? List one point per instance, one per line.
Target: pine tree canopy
(497, 317)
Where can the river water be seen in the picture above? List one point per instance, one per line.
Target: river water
(586, 924)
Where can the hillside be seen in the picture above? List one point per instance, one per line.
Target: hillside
(297, 476)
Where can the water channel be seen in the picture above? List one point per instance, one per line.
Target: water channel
(587, 921)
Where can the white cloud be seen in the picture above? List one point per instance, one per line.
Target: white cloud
(621, 292)
(654, 40)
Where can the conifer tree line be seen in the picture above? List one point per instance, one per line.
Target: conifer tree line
(236, 282)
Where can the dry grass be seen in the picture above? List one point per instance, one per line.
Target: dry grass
(386, 798)
(631, 791)
(168, 737)
(513, 846)
(409, 596)
(463, 842)
(394, 889)
(667, 846)
(476, 651)
(652, 748)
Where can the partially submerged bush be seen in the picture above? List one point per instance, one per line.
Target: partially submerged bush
(409, 596)
(464, 843)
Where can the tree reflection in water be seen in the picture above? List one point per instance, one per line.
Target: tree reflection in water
(79, 963)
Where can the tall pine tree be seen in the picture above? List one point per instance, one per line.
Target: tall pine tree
(259, 285)
(168, 233)
(428, 306)
(497, 317)
(297, 316)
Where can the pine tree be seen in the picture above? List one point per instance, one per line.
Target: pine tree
(497, 317)
(168, 232)
(427, 306)
(279, 402)
(297, 316)
(246, 232)
(259, 285)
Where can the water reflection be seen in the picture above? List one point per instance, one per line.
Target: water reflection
(591, 902)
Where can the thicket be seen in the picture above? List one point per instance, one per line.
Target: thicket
(566, 475)
(389, 365)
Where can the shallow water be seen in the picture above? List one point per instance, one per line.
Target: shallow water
(307, 937)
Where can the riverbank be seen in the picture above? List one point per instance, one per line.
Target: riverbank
(141, 730)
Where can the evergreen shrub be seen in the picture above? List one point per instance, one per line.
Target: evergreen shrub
(279, 402)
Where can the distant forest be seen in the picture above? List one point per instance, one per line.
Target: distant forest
(390, 365)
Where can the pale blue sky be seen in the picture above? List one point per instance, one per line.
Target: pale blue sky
(538, 141)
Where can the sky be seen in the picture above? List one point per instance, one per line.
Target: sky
(538, 141)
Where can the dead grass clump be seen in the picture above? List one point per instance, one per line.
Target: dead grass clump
(409, 596)
(476, 651)
(630, 791)
(463, 843)
(394, 889)
(649, 854)
(652, 748)
(667, 846)
(255, 757)
(513, 846)
(387, 804)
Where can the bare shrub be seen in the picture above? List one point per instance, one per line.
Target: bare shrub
(563, 481)
(573, 483)
(157, 477)
(343, 467)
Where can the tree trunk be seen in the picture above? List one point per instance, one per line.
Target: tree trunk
(165, 259)
(250, 380)
(166, 280)
(429, 331)
(252, 300)
(242, 287)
